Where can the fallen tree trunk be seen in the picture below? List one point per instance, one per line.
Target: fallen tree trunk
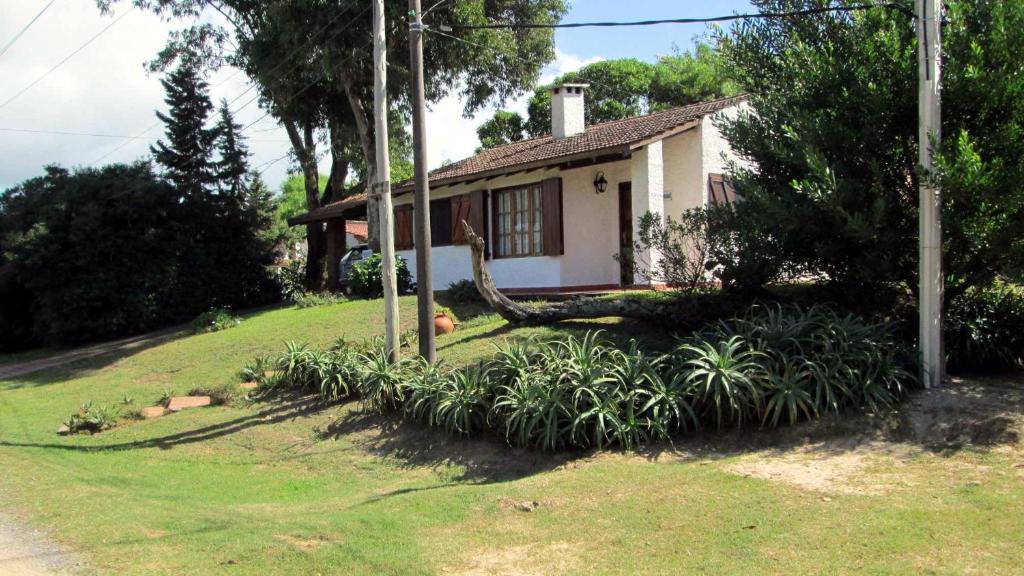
(665, 312)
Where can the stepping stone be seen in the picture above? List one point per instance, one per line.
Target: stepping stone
(181, 402)
(150, 412)
(249, 385)
(64, 430)
(269, 374)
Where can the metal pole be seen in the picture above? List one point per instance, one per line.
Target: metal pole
(930, 119)
(382, 182)
(424, 272)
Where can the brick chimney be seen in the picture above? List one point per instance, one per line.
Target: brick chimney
(567, 110)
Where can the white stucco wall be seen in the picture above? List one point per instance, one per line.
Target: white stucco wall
(683, 165)
(716, 154)
(590, 230)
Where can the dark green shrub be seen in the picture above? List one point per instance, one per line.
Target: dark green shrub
(304, 299)
(462, 401)
(463, 291)
(364, 279)
(214, 320)
(92, 418)
(219, 395)
(985, 329)
(291, 278)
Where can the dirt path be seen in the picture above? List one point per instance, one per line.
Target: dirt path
(25, 552)
(8, 371)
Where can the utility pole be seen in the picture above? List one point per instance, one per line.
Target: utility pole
(382, 182)
(929, 15)
(424, 268)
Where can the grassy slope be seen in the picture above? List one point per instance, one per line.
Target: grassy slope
(294, 489)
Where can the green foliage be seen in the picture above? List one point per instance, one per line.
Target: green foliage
(983, 329)
(312, 299)
(773, 366)
(834, 142)
(92, 418)
(291, 278)
(620, 89)
(382, 385)
(504, 127)
(720, 375)
(255, 370)
(219, 395)
(365, 281)
(463, 291)
(214, 320)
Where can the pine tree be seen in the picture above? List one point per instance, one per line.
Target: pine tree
(185, 155)
(232, 166)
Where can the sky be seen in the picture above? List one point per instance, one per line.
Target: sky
(104, 91)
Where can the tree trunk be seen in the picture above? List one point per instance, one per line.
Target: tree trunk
(577, 308)
(316, 242)
(366, 142)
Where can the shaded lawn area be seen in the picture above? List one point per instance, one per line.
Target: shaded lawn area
(291, 487)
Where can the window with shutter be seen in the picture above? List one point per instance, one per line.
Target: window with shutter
(461, 210)
(403, 228)
(553, 244)
(720, 190)
(527, 220)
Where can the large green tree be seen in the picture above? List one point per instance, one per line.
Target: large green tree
(312, 63)
(834, 141)
(185, 152)
(620, 89)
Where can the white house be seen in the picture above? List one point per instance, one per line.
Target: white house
(555, 209)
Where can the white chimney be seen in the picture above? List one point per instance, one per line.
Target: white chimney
(567, 110)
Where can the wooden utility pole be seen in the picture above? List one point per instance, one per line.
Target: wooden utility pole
(424, 268)
(382, 182)
(929, 16)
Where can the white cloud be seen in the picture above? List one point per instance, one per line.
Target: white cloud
(104, 89)
(450, 136)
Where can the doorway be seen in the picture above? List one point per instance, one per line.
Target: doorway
(626, 233)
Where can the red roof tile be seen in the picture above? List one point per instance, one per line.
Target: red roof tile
(607, 137)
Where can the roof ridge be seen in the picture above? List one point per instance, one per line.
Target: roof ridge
(737, 97)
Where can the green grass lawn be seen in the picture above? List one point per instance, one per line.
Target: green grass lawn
(289, 487)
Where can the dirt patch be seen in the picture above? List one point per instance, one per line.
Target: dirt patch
(531, 560)
(870, 469)
(303, 543)
(27, 552)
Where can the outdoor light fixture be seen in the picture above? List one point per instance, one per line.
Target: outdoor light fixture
(600, 183)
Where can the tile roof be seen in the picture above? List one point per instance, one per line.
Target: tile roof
(358, 229)
(607, 137)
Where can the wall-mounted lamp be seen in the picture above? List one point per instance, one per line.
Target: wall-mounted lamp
(600, 183)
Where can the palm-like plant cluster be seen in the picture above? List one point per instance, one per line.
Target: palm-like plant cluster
(774, 366)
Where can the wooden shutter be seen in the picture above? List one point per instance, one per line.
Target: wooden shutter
(403, 228)
(462, 208)
(441, 222)
(720, 190)
(551, 207)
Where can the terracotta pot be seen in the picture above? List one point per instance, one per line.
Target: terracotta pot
(443, 324)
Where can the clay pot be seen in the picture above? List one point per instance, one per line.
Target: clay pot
(443, 324)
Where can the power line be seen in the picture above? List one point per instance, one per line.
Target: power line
(709, 20)
(66, 58)
(96, 134)
(612, 89)
(25, 28)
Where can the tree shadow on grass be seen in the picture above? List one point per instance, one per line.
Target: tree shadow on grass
(482, 460)
(287, 409)
(967, 414)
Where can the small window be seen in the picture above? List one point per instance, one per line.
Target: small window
(518, 217)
